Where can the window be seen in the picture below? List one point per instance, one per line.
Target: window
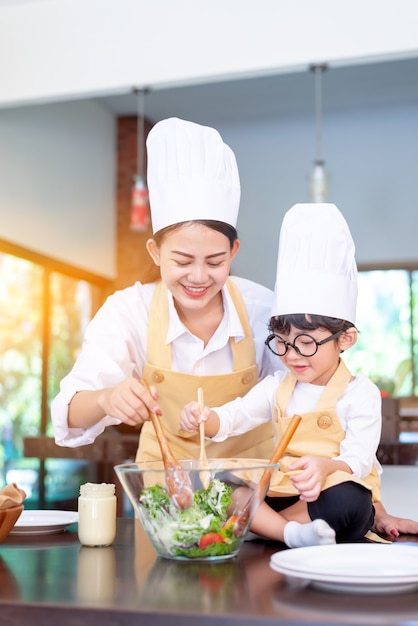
(387, 348)
(44, 310)
(45, 307)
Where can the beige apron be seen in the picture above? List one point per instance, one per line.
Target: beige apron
(175, 389)
(320, 431)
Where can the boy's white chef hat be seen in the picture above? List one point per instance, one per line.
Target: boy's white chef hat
(316, 267)
(192, 175)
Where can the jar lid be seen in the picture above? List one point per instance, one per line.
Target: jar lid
(97, 490)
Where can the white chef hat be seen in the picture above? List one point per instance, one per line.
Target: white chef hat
(192, 175)
(316, 267)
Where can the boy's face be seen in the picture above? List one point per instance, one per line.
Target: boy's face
(316, 369)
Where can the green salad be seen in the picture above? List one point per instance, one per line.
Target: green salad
(202, 530)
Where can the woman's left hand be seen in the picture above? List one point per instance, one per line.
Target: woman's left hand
(387, 524)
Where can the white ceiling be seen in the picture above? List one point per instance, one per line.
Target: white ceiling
(250, 99)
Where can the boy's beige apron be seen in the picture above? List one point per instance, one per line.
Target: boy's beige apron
(319, 433)
(175, 389)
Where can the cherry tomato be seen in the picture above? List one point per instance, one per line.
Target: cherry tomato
(210, 538)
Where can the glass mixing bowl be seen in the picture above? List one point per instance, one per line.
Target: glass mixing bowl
(216, 524)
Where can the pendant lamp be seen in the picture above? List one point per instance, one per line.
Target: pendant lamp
(140, 216)
(318, 179)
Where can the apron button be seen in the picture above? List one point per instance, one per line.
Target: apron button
(247, 379)
(157, 377)
(324, 421)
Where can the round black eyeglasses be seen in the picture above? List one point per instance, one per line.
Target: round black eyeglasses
(304, 344)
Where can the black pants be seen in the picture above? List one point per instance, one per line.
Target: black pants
(347, 508)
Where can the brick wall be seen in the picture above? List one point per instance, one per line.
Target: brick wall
(132, 260)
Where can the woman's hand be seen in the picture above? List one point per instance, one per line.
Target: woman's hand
(129, 401)
(386, 524)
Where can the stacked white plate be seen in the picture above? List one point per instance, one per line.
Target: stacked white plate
(353, 567)
(43, 522)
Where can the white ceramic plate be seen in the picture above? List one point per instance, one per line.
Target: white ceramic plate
(43, 522)
(353, 567)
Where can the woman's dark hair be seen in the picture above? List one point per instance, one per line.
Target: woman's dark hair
(221, 227)
(280, 324)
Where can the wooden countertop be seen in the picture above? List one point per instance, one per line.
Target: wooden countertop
(52, 579)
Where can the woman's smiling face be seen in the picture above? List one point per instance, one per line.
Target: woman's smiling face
(195, 262)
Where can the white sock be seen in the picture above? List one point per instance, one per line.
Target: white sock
(314, 533)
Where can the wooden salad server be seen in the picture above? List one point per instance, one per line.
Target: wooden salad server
(241, 519)
(177, 478)
(204, 474)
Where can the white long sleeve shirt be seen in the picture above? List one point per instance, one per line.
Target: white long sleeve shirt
(115, 341)
(358, 409)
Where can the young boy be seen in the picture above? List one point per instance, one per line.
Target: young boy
(322, 491)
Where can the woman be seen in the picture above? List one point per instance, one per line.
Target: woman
(197, 327)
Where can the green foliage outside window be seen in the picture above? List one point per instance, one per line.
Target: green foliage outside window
(43, 316)
(384, 350)
(20, 352)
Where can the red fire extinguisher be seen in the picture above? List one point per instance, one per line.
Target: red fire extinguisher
(140, 216)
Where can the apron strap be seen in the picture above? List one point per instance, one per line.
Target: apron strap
(243, 351)
(332, 392)
(158, 351)
(335, 387)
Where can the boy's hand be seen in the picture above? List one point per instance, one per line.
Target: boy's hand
(310, 479)
(191, 416)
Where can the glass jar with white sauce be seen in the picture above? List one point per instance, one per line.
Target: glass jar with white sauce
(97, 514)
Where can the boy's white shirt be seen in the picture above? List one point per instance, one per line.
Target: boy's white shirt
(358, 409)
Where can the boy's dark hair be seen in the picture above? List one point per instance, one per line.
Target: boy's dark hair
(280, 324)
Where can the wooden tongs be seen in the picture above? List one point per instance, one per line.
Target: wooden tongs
(241, 519)
(176, 477)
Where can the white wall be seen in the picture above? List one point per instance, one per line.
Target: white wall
(57, 182)
(371, 158)
(57, 169)
(60, 49)
(57, 160)
(398, 490)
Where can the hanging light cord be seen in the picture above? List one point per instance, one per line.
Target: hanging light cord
(318, 70)
(318, 109)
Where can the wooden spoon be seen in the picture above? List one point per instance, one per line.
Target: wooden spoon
(241, 519)
(177, 478)
(204, 474)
